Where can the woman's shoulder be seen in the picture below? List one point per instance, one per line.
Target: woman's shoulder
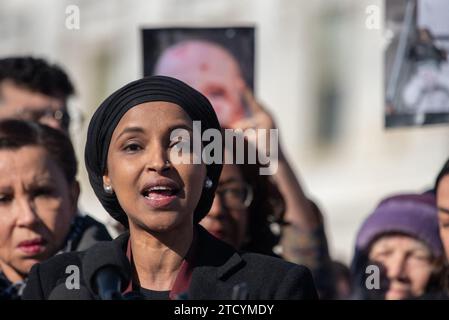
(254, 276)
(277, 278)
(274, 269)
(217, 253)
(45, 276)
(270, 262)
(265, 277)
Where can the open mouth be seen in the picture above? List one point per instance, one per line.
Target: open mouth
(159, 192)
(159, 195)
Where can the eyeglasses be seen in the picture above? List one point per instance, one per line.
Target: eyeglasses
(237, 198)
(61, 116)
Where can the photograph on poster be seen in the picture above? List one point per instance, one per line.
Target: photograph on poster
(416, 63)
(218, 62)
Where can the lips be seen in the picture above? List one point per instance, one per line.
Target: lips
(32, 246)
(160, 193)
(398, 291)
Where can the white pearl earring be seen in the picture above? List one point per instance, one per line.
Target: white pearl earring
(208, 183)
(108, 189)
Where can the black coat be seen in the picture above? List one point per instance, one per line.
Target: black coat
(219, 268)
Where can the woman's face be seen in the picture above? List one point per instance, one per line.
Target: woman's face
(157, 195)
(225, 219)
(408, 264)
(443, 212)
(37, 206)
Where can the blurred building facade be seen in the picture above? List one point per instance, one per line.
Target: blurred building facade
(319, 69)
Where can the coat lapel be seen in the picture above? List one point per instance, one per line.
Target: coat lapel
(215, 262)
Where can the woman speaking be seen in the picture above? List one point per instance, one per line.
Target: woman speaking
(165, 254)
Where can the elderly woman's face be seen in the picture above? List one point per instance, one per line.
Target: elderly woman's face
(157, 194)
(408, 264)
(36, 208)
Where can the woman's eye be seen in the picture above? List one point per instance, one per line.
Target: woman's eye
(43, 192)
(381, 254)
(132, 147)
(5, 198)
(422, 257)
(238, 193)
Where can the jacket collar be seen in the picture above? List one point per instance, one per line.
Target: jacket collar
(219, 258)
(216, 255)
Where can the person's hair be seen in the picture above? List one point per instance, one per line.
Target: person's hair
(15, 134)
(36, 75)
(444, 172)
(266, 209)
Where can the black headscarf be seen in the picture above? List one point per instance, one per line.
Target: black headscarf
(108, 115)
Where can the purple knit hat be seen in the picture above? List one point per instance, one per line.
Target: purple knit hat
(411, 214)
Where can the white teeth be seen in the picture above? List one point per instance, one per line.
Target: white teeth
(159, 188)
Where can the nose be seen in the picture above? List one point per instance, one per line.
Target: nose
(158, 160)
(26, 212)
(216, 219)
(396, 267)
(217, 211)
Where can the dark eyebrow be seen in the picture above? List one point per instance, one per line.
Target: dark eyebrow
(141, 130)
(445, 210)
(180, 126)
(43, 179)
(130, 130)
(230, 180)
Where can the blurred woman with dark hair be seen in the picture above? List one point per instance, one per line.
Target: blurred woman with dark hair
(248, 207)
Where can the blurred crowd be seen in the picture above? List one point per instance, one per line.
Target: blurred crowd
(401, 249)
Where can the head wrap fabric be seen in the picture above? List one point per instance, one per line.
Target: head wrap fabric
(108, 115)
(411, 214)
